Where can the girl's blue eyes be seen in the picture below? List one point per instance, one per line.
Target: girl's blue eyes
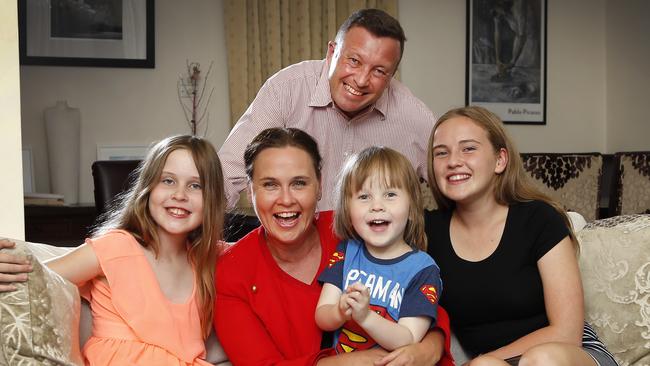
(364, 197)
(444, 153)
(170, 181)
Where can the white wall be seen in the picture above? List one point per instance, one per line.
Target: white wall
(628, 75)
(595, 98)
(434, 69)
(131, 106)
(11, 201)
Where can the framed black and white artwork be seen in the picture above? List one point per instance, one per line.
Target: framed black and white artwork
(100, 33)
(506, 58)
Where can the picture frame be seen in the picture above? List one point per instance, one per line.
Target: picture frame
(97, 33)
(506, 59)
(121, 152)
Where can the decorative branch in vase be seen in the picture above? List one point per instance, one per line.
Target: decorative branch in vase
(191, 89)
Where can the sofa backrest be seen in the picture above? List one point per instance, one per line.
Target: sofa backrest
(633, 183)
(573, 179)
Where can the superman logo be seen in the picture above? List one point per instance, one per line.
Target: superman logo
(354, 338)
(430, 293)
(336, 257)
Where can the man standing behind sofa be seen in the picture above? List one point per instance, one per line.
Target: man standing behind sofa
(347, 102)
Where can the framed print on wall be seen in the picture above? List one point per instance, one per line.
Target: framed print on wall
(101, 33)
(506, 58)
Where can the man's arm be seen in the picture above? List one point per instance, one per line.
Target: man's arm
(264, 112)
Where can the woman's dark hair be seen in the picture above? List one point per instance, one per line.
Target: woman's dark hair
(278, 137)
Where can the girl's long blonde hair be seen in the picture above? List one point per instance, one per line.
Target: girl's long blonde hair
(394, 170)
(511, 186)
(129, 211)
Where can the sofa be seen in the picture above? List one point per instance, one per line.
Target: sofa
(43, 320)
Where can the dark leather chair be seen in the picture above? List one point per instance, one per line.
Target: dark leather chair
(114, 176)
(110, 178)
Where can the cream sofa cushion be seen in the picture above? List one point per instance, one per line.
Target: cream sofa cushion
(615, 268)
(39, 322)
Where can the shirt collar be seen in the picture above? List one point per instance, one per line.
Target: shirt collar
(322, 96)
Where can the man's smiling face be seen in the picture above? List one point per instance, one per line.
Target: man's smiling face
(360, 69)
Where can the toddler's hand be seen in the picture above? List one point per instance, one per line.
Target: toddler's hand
(344, 307)
(359, 301)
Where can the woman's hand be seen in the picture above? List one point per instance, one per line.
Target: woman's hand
(12, 268)
(427, 352)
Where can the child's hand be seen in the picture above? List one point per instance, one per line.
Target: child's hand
(359, 301)
(344, 307)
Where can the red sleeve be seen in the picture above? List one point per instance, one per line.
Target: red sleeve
(442, 323)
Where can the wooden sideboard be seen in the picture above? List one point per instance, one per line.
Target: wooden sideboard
(65, 226)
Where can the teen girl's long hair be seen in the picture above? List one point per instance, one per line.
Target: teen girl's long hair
(511, 186)
(129, 211)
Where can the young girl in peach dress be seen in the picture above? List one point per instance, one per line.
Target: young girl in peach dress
(148, 270)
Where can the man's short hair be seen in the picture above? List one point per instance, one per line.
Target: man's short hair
(377, 22)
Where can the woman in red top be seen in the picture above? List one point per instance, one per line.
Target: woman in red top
(267, 286)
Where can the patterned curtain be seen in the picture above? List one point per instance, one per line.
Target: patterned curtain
(263, 36)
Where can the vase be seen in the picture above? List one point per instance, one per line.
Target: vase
(62, 129)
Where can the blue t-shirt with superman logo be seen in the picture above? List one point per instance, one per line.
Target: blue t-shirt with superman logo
(406, 286)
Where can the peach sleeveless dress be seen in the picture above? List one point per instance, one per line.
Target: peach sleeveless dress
(133, 322)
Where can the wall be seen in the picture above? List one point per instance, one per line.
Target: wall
(628, 77)
(131, 106)
(595, 79)
(11, 215)
(434, 69)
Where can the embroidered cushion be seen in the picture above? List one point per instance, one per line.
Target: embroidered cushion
(39, 322)
(615, 268)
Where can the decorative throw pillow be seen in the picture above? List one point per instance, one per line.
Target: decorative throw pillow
(39, 322)
(615, 268)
